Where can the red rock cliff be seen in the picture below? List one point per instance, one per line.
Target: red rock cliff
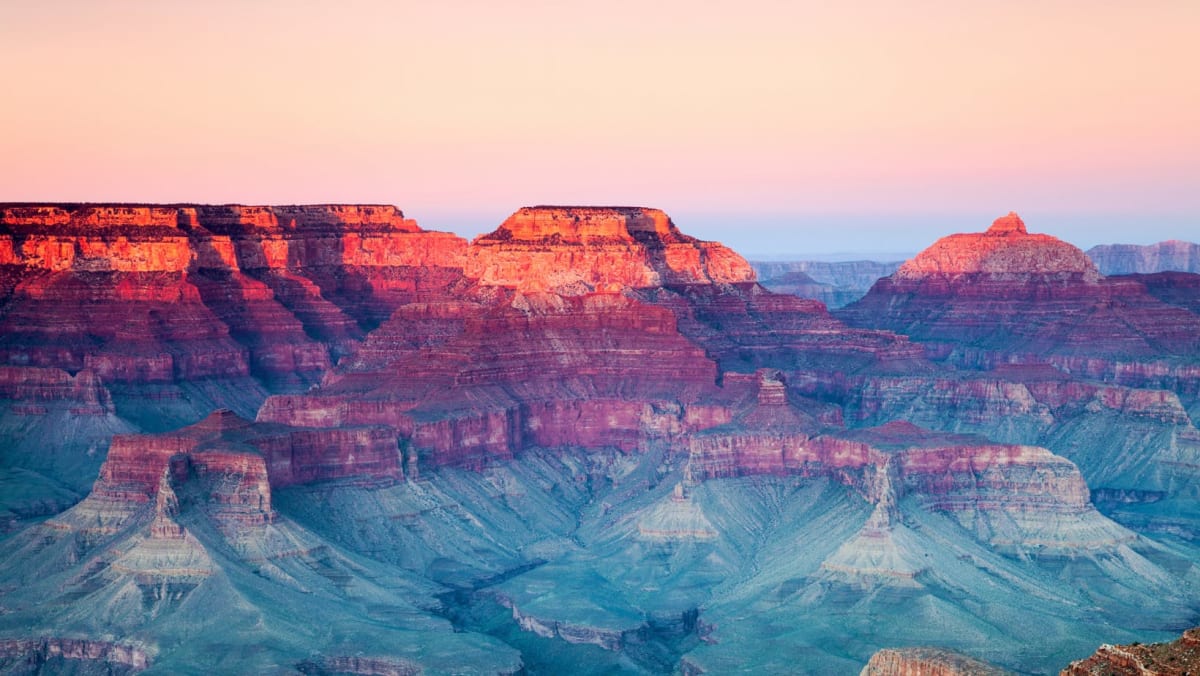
(579, 249)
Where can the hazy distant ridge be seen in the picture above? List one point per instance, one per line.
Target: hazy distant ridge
(1125, 259)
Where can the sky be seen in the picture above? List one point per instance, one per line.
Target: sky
(778, 127)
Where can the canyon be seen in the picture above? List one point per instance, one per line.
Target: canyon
(583, 441)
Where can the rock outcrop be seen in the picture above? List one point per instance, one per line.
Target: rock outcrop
(1013, 497)
(1180, 289)
(58, 654)
(1006, 296)
(1005, 249)
(193, 292)
(573, 250)
(266, 456)
(628, 348)
(1177, 658)
(926, 662)
(593, 371)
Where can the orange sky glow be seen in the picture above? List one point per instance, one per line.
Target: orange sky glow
(754, 120)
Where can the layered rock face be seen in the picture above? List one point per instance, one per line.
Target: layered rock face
(1009, 296)
(620, 449)
(1006, 248)
(745, 327)
(926, 662)
(195, 292)
(1126, 259)
(36, 387)
(1176, 658)
(1012, 496)
(55, 654)
(1180, 289)
(571, 250)
(587, 327)
(594, 371)
(264, 455)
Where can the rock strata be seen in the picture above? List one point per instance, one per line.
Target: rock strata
(926, 662)
(56, 654)
(572, 250)
(1006, 296)
(1177, 658)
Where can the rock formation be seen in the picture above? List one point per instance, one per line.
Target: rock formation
(1177, 658)
(1006, 296)
(926, 662)
(584, 437)
(572, 250)
(630, 349)
(56, 654)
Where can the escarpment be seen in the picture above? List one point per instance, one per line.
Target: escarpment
(570, 250)
(583, 436)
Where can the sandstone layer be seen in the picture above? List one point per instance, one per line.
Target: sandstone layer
(926, 662)
(571, 250)
(1006, 296)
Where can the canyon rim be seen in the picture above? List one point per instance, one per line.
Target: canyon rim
(322, 439)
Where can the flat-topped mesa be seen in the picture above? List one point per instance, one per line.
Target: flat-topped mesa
(370, 217)
(573, 250)
(1006, 249)
(587, 225)
(93, 217)
(183, 237)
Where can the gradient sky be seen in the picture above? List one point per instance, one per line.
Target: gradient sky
(776, 127)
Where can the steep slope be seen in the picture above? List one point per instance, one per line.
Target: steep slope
(208, 293)
(179, 549)
(1006, 295)
(1176, 658)
(587, 443)
(117, 318)
(1180, 289)
(1033, 331)
(583, 327)
(569, 250)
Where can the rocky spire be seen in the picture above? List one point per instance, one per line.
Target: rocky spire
(1008, 225)
(166, 507)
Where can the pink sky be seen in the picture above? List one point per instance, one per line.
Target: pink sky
(754, 119)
